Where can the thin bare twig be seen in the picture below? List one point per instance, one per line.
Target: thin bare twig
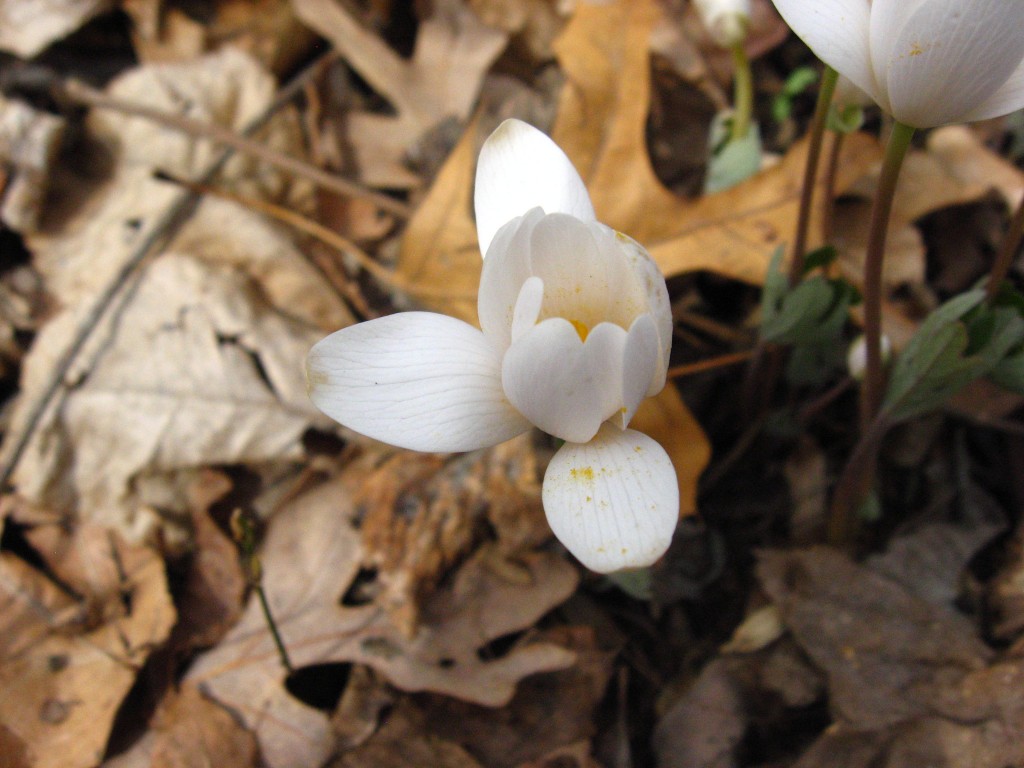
(88, 96)
(113, 298)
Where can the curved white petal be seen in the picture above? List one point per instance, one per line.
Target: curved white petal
(502, 277)
(641, 367)
(950, 57)
(417, 380)
(527, 310)
(521, 168)
(565, 386)
(650, 284)
(613, 502)
(1009, 98)
(837, 32)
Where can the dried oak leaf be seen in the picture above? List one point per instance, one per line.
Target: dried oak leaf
(197, 369)
(67, 664)
(310, 557)
(441, 80)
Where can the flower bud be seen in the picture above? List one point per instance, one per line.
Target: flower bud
(857, 357)
(725, 20)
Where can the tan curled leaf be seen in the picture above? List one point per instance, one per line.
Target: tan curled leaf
(310, 557)
(66, 665)
(28, 26)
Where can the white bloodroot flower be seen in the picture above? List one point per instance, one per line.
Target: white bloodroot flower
(576, 332)
(926, 62)
(725, 20)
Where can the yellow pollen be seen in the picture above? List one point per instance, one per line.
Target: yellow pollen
(582, 473)
(581, 329)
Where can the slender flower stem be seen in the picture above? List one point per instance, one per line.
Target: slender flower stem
(871, 395)
(743, 92)
(818, 123)
(828, 206)
(1004, 260)
(855, 483)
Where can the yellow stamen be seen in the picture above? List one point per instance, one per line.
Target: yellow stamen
(581, 329)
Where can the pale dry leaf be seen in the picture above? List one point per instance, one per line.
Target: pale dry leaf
(65, 667)
(441, 80)
(310, 557)
(100, 220)
(196, 370)
(29, 141)
(29, 26)
(967, 159)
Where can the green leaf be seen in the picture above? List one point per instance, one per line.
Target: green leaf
(959, 342)
(846, 119)
(799, 80)
(820, 257)
(732, 160)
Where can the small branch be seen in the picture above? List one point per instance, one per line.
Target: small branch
(87, 96)
(1007, 252)
(702, 366)
(818, 124)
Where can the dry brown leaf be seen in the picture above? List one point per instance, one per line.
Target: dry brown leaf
(311, 556)
(197, 370)
(887, 652)
(193, 732)
(423, 513)
(556, 709)
(966, 159)
(442, 79)
(66, 666)
(29, 26)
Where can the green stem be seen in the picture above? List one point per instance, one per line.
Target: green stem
(1007, 252)
(871, 395)
(743, 92)
(818, 124)
(278, 641)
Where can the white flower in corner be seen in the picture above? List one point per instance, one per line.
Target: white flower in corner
(725, 20)
(925, 62)
(576, 332)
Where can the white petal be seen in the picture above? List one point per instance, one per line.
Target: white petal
(503, 275)
(1009, 98)
(641, 368)
(650, 283)
(521, 168)
(527, 309)
(417, 380)
(613, 502)
(951, 57)
(837, 32)
(563, 385)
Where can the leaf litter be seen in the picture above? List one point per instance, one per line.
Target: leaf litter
(424, 592)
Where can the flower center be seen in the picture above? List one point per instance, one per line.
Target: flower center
(581, 329)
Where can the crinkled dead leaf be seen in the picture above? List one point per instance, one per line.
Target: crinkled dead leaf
(442, 79)
(310, 558)
(197, 369)
(66, 664)
(29, 26)
(193, 731)
(423, 513)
